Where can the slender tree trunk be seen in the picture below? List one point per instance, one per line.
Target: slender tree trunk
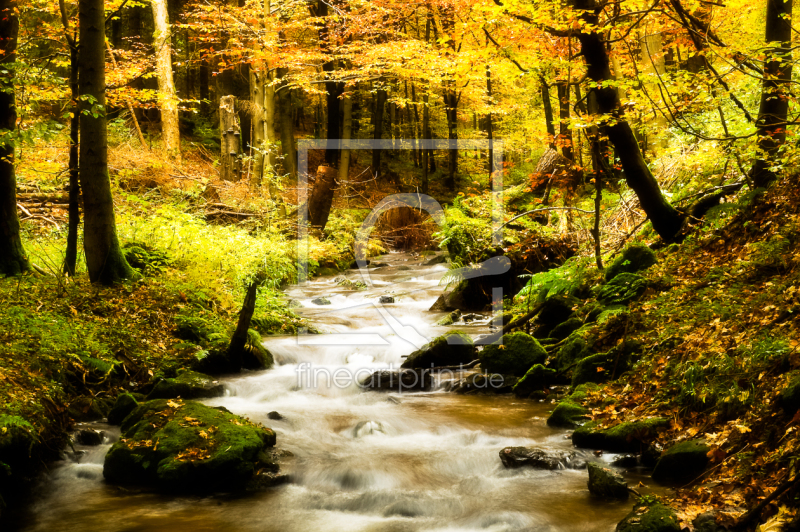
(104, 258)
(380, 105)
(321, 200)
(13, 259)
(564, 131)
(74, 222)
(451, 112)
(230, 141)
(286, 125)
(774, 108)
(347, 133)
(167, 97)
(490, 125)
(652, 67)
(426, 135)
(548, 109)
(666, 220)
(416, 132)
(257, 141)
(239, 337)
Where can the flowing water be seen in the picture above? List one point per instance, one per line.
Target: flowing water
(363, 461)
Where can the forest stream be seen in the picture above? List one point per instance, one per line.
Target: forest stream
(362, 460)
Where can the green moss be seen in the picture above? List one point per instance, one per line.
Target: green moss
(650, 516)
(17, 438)
(567, 414)
(682, 461)
(450, 349)
(188, 385)
(535, 379)
(622, 289)
(566, 328)
(186, 446)
(575, 348)
(634, 258)
(517, 354)
(789, 397)
(626, 437)
(125, 404)
(606, 483)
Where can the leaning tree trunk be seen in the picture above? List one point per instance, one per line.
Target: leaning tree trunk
(104, 258)
(666, 220)
(774, 109)
(12, 254)
(167, 97)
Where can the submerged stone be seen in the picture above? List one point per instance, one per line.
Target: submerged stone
(187, 447)
(321, 301)
(514, 457)
(515, 356)
(606, 483)
(404, 380)
(535, 379)
(568, 415)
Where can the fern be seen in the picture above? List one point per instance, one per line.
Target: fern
(568, 279)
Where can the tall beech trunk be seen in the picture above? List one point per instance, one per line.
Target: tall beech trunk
(230, 162)
(167, 97)
(13, 259)
(377, 117)
(257, 143)
(564, 131)
(426, 135)
(774, 108)
(74, 213)
(666, 220)
(415, 134)
(286, 125)
(319, 204)
(490, 125)
(347, 133)
(451, 111)
(104, 258)
(548, 109)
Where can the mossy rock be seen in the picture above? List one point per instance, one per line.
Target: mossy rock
(450, 349)
(146, 259)
(789, 398)
(535, 379)
(518, 353)
(575, 348)
(125, 404)
(628, 437)
(610, 313)
(89, 408)
(187, 385)
(185, 446)
(449, 319)
(568, 414)
(683, 461)
(634, 258)
(604, 366)
(17, 440)
(563, 330)
(557, 309)
(622, 289)
(650, 516)
(606, 483)
(578, 394)
(351, 285)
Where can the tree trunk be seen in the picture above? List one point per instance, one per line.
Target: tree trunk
(13, 259)
(548, 110)
(74, 221)
(380, 104)
(564, 131)
(239, 337)
(104, 258)
(257, 141)
(286, 126)
(451, 111)
(490, 125)
(416, 132)
(347, 133)
(652, 67)
(230, 166)
(426, 135)
(774, 108)
(666, 220)
(319, 206)
(167, 98)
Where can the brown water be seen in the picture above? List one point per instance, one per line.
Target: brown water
(363, 461)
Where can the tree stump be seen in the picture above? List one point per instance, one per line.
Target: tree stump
(230, 159)
(319, 205)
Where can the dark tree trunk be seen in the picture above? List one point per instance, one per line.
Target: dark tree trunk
(283, 95)
(13, 259)
(774, 109)
(548, 109)
(426, 135)
(104, 258)
(666, 220)
(564, 131)
(319, 204)
(239, 338)
(490, 125)
(451, 111)
(71, 255)
(380, 104)
(416, 128)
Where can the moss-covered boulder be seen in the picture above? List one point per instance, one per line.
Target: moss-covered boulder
(683, 461)
(604, 366)
(650, 516)
(568, 414)
(515, 356)
(88, 408)
(449, 319)
(574, 349)
(606, 483)
(188, 385)
(514, 457)
(634, 258)
(566, 328)
(622, 289)
(125, 404)
(17, 439)
(628, 437)
(535, 379)
(478, 383)
(555, 310)
(450, 349)
(789, 398)
(185, 446)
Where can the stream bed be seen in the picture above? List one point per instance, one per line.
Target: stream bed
(362, 460)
